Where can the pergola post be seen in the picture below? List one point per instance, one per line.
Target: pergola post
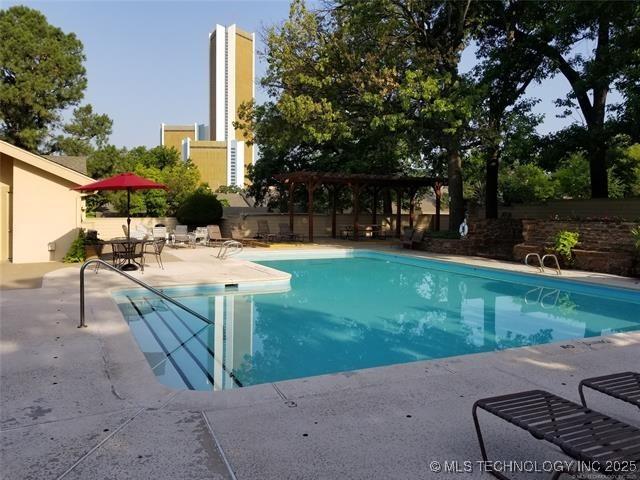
(310, 188)
(437, 189)
(412, 195)
(374, 210)
(334, 206)
(356, 208)
(398, 212)
(291, 187)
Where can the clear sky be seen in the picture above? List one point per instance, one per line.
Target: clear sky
(147, 61)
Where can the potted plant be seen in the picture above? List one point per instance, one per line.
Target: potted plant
(563, 244)
(92, 244)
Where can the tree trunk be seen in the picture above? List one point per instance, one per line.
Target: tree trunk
(491, 187)
(597, 154)
(456, 200)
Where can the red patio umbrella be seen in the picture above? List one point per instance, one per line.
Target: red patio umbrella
(123, 181)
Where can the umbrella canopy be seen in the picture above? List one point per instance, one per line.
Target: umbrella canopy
(122, 181)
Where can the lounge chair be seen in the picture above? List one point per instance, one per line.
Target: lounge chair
(181, 235)
(214, 235)
(238, 236)
(412, 237)
(264, 233)
(583, 434)
(285, 233)
(624, 386)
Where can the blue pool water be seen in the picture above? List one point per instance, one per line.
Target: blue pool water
(344, 314)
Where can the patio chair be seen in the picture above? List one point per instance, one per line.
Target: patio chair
(214, 235)
(137, 252)
(155, 248)
(412, 237)
(159, 232)
(287, 234)
(581, 433)
(264, 233)
(200, 234)
(624, 386)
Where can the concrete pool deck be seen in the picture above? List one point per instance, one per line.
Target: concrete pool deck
(84, 403)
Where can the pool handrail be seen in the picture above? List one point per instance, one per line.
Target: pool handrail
(135, 280)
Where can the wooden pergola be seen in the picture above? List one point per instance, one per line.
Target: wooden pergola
(357, 182)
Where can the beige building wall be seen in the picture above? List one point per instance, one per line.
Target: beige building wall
(244, 82)
(42, 210)
(211, 159)
(6, 192)
(172, 135)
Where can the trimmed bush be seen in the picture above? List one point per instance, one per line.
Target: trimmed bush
(200, 209)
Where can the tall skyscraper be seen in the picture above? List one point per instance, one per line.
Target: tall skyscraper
(220, 151)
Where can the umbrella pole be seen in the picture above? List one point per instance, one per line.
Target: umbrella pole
(130, 265)
(128, 214)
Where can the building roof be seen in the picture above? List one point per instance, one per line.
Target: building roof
(44, 164)
(77, 163)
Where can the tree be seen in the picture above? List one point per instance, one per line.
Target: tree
(504, 75)
(554, 29)
(85, 133)
(41, 74)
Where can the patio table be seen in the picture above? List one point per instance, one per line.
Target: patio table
(126, 247)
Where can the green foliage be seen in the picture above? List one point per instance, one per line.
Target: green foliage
(41, 73)
(200, 208)
(564, 242)
(76, 251)
(635, 234)
(86, 132)
(229, 189)
(160, 164)
(527, 184)
(573, 177)
(626, 169)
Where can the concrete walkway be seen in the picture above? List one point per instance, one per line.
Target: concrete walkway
(84, 404)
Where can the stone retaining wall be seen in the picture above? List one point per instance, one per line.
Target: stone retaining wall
(605, 246)
(603, 236)
(493, 238)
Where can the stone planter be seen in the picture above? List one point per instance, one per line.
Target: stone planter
(521, 250)
(616, 263)
(91, 251)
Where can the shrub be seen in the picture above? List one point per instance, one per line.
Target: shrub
(564, 241)
(527, 184)
(199, 209)
(635, 233)
(76, 250)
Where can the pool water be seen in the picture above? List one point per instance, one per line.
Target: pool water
(344, 314)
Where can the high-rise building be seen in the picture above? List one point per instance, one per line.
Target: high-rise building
(220, 151)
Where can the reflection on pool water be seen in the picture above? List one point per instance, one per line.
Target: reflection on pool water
(344, 314)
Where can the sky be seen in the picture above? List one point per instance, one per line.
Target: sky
(147, 61)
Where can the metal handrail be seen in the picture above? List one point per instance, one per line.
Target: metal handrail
(555, 259)
(135, 280)
(223, 251)
(540, 266)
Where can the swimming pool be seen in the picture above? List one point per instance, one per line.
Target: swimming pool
(363, 310)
